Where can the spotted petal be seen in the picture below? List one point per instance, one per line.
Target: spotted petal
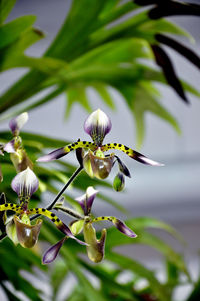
(131, 153)
(51, 254)
(25, 183)
(17, 123)
(97, 125)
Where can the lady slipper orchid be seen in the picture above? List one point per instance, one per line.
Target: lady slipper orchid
(94, 246)
(14, 147)
(95, 163)
(19, 229)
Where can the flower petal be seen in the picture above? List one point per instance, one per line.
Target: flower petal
(27, 235)
(95, 248)
(90, 196)
(17, 123)
(25, 183)
(10, 147)
(63, 228)
(56, 154)
(131, 153)
(123, 228)
(97, 125)
(51, 254)
(123, 167)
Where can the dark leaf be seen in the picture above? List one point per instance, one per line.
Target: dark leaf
(185, 51)
(163, 60)
(173, 8)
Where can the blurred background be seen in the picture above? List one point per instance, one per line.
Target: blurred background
(170, 193)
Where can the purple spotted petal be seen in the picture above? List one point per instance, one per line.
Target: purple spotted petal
(123, 228)
(18, 122)
(97, 125)
(56, 154)
(10, 146)
(51, 254)
(25, 183)
(123, 167)
(68, 232)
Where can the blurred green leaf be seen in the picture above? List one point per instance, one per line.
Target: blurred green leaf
(5, 8)
(12, 30)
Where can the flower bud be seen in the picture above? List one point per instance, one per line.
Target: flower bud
(119, 182)
(95, 248)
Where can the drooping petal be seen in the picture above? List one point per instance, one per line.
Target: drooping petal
(119, 182)
(63, 228)
(123, 168)
(131, 153)
(97, 125)
(95, 248)
(123, 228)
(25, 183)
(51, 254)
(56, 154)
(18, 122)
(27, 234)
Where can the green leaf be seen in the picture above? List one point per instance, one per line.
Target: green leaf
(5, 8)
(77, 93)
(130, 264)
(141, 99)
(102, 90)
(12, 30)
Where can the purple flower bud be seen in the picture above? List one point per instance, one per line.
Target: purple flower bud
(97, 125)
(17, 123)
(51, 254)
(25, 183)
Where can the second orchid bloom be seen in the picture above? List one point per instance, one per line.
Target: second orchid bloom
(94, 161)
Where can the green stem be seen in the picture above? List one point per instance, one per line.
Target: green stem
(74, 175)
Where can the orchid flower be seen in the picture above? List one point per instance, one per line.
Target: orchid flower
(95, 247)
(14, 147)
(19, 228)
(95, 163)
